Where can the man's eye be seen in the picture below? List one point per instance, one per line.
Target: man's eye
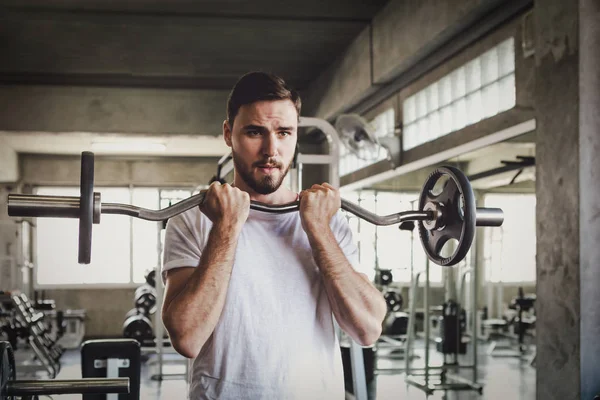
(252, 133)
(285, 133)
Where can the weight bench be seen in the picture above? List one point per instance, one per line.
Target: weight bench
(114, 358)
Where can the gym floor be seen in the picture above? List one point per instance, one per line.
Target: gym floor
(501, 377)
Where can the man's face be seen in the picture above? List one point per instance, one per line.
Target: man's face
(263, 141)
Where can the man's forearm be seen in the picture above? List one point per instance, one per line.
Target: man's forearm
(193, 314)
(357, 305)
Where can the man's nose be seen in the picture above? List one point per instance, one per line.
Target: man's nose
(270, 145)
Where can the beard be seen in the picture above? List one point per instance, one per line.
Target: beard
(266, 184)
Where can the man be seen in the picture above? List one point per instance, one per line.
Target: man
(249, 295)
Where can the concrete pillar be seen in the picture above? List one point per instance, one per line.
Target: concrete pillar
(568, 225)
(589, 195)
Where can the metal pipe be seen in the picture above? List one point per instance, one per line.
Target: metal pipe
(196, 200)
(489, 216)
(28, 205)
(411, 321)
(426, 320)
(475, 297)
(68, 207)
(74, 386)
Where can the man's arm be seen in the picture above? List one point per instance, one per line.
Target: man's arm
(194, 297)
(358, 306)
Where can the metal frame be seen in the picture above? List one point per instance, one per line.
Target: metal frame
(422, 377)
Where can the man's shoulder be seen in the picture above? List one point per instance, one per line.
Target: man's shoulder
(192, 220)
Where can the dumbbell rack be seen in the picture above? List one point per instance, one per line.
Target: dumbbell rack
(45, 348)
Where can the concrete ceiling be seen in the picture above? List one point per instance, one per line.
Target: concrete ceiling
(164, 67)
(189, 44)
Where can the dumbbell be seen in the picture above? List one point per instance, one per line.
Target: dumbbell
(393, 300)
(137, 326)
(145, 299)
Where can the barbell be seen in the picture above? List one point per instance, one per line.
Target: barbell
(450, 214)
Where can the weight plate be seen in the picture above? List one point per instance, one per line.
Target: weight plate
(458, 220)
(151, 278)
(7, 368)
(138, 327)
(393, 300)
(86, 207)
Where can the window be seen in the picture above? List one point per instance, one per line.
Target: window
(383, 125)
(387, 246)
(124, 249)
(480, 89)
(510, 250)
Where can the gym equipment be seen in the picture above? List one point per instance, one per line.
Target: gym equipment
(442, 377)
(452, 325)
(358, 136)
(395, 324)
(393, 300)
(145, 299)
(30, 389)
(114, 358)
(138, 326)
(383, 277)
(151, 278)
(522, 322)
(450, 214)
(23, 321)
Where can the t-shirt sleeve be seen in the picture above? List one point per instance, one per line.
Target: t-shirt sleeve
(184, 241)
(343, 233)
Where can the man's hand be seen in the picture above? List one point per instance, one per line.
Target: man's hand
(226, 205)
(317, 206)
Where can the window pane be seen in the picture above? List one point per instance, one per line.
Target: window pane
(510, 251)
(145, 235)
(57, 244)
(481, 88)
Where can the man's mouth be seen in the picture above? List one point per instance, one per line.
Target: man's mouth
(267, 167)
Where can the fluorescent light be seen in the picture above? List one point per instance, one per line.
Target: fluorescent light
(131, 146)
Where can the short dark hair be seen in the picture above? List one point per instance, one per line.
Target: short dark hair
(259, 86)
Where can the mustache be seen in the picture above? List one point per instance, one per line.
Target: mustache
(271, 163)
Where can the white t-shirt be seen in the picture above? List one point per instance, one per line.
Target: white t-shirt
(275, 338)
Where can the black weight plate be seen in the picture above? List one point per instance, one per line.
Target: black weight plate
(146, 300)
(459, 221)
(132, 312)
(7, 368)
(86, 207)
(138, 327)
(386, 276)
(151, 278)
(393, 301)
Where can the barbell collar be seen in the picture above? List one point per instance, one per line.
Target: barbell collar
(493, 217)
(73, 386)
(27, 205)
(30, 205)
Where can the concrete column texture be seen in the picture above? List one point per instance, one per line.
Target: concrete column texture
(568, 213)
(557, 189)
(589, 195)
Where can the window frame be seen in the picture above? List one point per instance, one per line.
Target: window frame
(484, 273)
(104, 285)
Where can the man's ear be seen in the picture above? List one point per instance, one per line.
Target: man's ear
(227, 133)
